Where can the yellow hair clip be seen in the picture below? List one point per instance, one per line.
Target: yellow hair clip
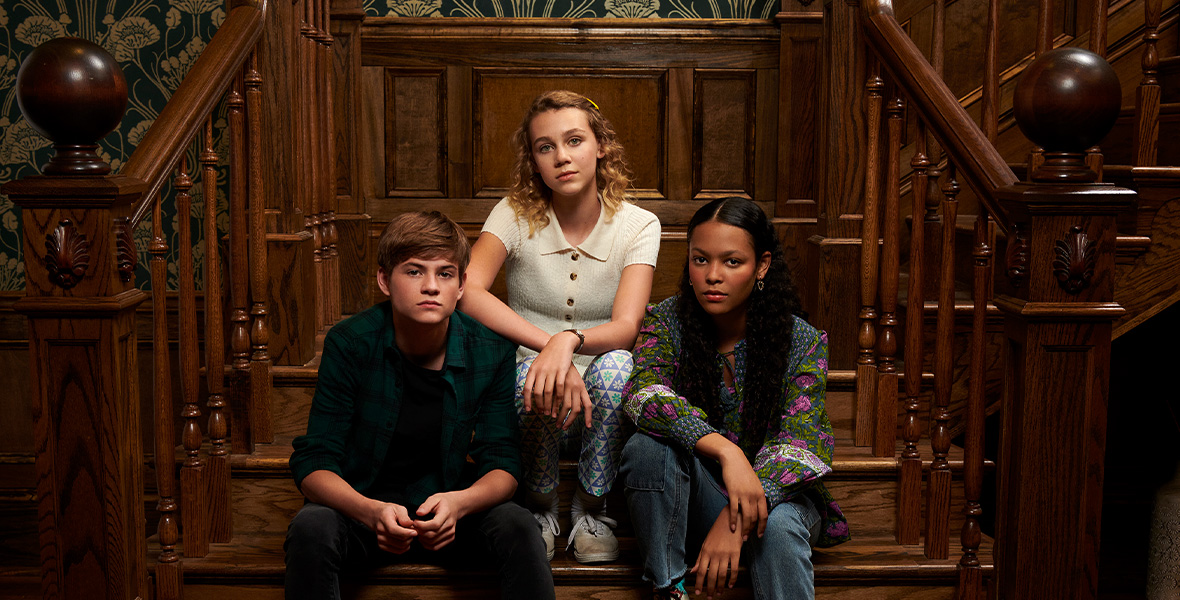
(593, 104)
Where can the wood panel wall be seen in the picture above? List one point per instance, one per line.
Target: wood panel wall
(702, 109)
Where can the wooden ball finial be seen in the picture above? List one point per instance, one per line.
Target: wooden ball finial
(1066, 101)
(73, 92)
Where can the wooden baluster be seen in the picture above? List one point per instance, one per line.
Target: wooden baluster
(260, 414)
(990, 113)
(1036, 157)
(1044, 26)
(933, 223)
(193, 485)
(329, 165)
(1098, 27)
(909, 483)
(1147, 95)
(885, 438)
(169, 571)
(244, 436)
(970, 573)
(311, 100)
(1097, 46)
(866, 364)
(938, 489)
(220, 516)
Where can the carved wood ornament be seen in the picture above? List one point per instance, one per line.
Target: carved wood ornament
(1017, 257)
(67, 255)
(126, 258)
(1074, 265)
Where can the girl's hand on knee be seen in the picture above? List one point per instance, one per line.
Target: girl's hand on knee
(544, 386)
(576, 400)
(717, 564)
(747, 498)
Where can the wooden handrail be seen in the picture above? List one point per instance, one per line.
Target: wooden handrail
(196, 97)
(979, 163)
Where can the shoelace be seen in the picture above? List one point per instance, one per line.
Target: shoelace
(594, 525)
(548, 519)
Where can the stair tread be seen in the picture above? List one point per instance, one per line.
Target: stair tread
(879, 556)
(848, 460)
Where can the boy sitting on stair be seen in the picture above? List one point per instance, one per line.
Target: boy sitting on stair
(407, 390)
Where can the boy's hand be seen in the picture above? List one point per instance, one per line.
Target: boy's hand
(719, 556)
(393, 526)
(439, 530)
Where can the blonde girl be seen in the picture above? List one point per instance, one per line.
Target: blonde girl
(580, 261)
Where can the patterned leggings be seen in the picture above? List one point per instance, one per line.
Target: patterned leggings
(598, 462)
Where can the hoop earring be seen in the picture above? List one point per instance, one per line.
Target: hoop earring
(761, 284)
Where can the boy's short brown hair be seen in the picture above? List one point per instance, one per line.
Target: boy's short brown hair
(422, 234)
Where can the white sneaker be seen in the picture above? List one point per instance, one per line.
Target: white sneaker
(549, 530)
(592, 539)
(544, 507)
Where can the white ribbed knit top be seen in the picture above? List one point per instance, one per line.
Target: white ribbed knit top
(555, 285)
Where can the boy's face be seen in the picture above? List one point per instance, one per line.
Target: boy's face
(423, 290)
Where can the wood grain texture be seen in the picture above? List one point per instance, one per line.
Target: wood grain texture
(723, 122)
(939, 483)
(356, 278)
(290, 318)
(1056, 388)
(799, 93)
(866, 360)
(415, 132)
(885, 433)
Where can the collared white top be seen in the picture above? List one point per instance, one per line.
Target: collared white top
(556, 285)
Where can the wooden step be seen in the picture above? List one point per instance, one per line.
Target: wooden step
(253, 567)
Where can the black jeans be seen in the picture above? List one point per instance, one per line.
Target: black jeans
(323, 543)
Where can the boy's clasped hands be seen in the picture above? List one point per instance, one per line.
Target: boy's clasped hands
(433, 524)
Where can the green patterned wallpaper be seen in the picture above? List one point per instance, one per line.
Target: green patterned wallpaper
(575, 9)
(156, 41)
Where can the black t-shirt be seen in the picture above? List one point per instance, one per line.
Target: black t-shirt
(414, 460)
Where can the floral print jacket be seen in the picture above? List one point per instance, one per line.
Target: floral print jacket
(792, 458)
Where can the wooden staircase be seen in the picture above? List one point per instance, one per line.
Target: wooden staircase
(274, 312)
(872, 565)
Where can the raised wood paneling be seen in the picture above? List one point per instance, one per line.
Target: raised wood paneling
(723, 125)
(633, 100)
(668, 87)
(415, 128)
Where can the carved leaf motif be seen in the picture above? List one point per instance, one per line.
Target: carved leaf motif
(67, 255)
(1074, 265)
(126, 258)
(1017, 257)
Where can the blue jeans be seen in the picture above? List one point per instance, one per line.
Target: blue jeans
(322, 544)
(674, 498)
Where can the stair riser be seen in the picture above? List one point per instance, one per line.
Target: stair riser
(266, 505)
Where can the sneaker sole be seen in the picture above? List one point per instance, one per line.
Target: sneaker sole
(596, 558)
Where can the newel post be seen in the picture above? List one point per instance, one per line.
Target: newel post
(80, 300)
(1056, 289)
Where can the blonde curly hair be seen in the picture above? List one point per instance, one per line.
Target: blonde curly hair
(529, 196)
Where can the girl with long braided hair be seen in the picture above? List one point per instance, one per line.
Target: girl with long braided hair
(728, 398)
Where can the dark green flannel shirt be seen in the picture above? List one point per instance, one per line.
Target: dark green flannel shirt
(355, 408)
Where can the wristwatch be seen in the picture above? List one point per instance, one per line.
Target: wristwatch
(581, 338)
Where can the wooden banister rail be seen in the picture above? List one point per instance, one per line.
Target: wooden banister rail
(203, 87)
(980, 165)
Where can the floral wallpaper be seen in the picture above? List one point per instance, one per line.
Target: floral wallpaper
(575, 9)
(157, 41)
